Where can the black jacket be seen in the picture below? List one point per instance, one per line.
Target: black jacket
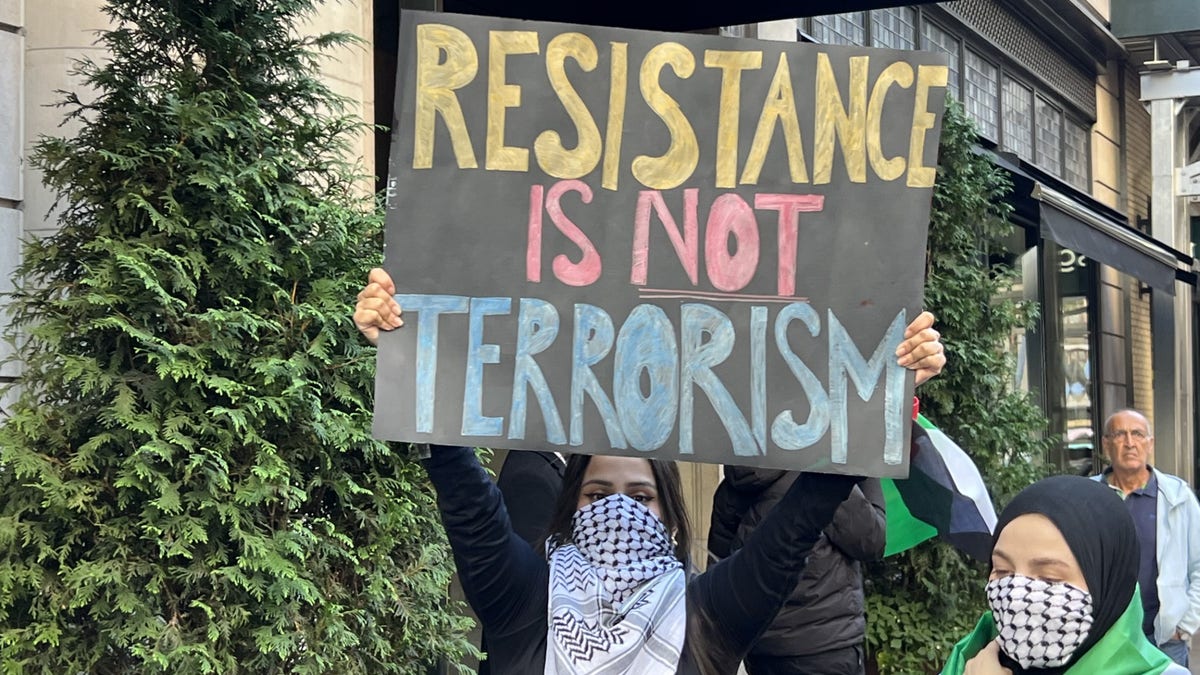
(507, 583)
(825, 611)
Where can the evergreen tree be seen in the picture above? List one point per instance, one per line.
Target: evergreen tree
(189, 484)
(921, 602)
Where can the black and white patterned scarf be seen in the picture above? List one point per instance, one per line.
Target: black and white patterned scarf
(1040, 624)
(617, 594)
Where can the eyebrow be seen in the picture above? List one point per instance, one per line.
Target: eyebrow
(1048, 562)
(607, 483)
(1036, 563)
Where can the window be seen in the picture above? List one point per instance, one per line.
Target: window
(1049, 136)
(982, 94)
(937, 40)
(1029, 122)
(1017, 105)
(894, 28)
(841, 29)
(1075, 156)
(733, 31)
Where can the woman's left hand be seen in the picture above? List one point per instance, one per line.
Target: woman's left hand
(922, 349)
(987, 662)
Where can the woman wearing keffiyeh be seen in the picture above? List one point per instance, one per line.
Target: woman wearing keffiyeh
(1063, 590)
(609, 594)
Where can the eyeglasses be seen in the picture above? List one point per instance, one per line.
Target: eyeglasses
(1134, 434)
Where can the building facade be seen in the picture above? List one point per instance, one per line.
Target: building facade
(1163, 37)
(1056, 100)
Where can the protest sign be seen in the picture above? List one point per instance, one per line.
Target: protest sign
(681, 246)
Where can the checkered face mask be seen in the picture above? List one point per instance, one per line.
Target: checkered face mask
(1041, 624)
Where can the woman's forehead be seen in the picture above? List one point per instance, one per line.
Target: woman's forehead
(1032, 535)
(619, 470)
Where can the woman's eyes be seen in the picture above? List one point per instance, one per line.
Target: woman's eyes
(1000, 573)
(641, 498)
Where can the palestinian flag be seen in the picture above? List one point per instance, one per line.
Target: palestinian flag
(944, 495)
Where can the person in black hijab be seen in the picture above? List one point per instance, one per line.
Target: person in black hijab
(1063, 589)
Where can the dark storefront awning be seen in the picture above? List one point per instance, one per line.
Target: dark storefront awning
(1079, 223)
(669, 15)
(1084, 231)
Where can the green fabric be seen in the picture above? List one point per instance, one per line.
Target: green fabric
(1124, 649)
(904, 530)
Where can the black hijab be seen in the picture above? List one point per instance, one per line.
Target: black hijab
(1100, 533)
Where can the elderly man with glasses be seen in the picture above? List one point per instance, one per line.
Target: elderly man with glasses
(1167, 517)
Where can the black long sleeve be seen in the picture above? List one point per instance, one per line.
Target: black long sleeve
(530, 487)
(859, 528)
(500, 573)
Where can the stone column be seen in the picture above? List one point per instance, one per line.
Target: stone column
(350, 70)
(12, 87)
(59, 32)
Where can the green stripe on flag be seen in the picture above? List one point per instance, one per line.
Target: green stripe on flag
(904, 530)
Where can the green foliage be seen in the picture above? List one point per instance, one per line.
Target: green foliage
(921, 602)
(189, 481)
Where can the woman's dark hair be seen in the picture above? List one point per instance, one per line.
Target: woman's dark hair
(670, 501)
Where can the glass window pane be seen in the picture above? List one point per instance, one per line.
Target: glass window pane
(894, 28)
(1078, 438)
(935, 39)
(982, 94)
(1017, 107)
(733, 31)
(1015, 256)
(841, 29)
(1049, 137)
(1075, 156)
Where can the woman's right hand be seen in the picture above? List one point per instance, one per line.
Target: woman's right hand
(987, 662)
(377, 308)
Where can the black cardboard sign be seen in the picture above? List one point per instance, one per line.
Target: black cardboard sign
(681, 246)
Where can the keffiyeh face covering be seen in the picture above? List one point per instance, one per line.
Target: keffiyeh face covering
(1041, 624)
(616, 594)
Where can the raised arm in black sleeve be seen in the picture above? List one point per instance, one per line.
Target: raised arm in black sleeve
(859, 528)
(530, 484)
(500, 573)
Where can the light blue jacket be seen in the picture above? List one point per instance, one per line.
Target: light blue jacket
(1178, 556)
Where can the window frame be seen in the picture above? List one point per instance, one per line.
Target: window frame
(1007, 68)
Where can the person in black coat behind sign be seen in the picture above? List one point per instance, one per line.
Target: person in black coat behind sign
(821, 628)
